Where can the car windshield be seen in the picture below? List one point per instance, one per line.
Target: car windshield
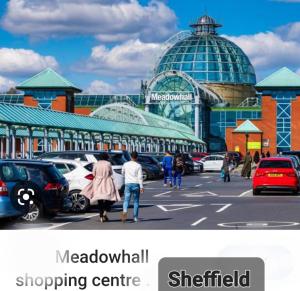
(275, 164)
(89, 167)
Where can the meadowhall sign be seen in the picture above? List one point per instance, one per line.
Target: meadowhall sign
(171, 97)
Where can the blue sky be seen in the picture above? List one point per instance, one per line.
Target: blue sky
(110, 45)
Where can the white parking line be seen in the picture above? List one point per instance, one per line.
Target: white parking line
(149, 182)
(245, 193)
(225, 206)
(66, 223)
(199, 185)
(209, 182)
(162, 194)
(199, 221)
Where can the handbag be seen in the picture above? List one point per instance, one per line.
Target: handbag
(222, 174)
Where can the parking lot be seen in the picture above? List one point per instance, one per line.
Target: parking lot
(204, 202)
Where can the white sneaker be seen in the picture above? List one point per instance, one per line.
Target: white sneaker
(136, 220)
(165, 185)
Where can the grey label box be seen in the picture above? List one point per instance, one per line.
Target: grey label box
(211, 274)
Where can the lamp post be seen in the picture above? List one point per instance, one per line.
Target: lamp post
(247, 138)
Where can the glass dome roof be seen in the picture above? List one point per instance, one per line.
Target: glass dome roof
(208, 58)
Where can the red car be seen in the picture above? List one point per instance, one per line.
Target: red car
(276, 174)
(196, 156)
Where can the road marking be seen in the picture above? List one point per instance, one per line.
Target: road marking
(205, 177)
(199, 185)
(149, 182)
(225, 206)
(258, 224)
(179, 207)
(209, 182)
(245, 193)
(199, 221)
(162, 194)
(199, 194)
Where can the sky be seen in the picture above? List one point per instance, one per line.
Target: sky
(109, 46)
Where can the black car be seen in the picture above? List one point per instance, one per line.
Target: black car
(151, 167)
(188, 164)
(49, 184)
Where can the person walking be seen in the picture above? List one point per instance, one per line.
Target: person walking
(167, 164)
(225, 168)
(246, 171)
(178, 167)
(103, 187)
(133, 173)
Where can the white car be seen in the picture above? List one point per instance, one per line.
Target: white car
(212, 162)
(79, 174)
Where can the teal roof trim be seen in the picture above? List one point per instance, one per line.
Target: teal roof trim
(247, 127)
(48, 78)
(281, 78)
(42, 118)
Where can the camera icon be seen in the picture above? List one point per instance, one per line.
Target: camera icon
(25, 196)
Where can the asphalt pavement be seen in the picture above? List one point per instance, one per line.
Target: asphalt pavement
(204, 202)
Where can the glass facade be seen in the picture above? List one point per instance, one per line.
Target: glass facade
(12, 98)
(86, 100)
(209, 59)
(180, 111)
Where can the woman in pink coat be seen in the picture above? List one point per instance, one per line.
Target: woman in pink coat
(103, 187)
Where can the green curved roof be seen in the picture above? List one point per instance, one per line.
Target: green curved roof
(43, 118)
(130, 114)
(48, 78)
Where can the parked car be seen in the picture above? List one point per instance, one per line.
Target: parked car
(291, 153)
(9, 179)
(152, 168)
(212, 162)
(276, 174)
(51, 188)
(196, 156)
(79, 174)
(117, 158)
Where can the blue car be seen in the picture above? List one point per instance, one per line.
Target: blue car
(9, 178)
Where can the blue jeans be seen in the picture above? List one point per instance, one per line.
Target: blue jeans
(167, 175)
(132, 190)
(177, 175)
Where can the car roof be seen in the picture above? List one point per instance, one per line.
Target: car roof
(33, 162)
(67, 161)
(277, 159)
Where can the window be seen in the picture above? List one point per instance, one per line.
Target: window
(10, 173)
(71, 167)
(62, 168)
(275, 164)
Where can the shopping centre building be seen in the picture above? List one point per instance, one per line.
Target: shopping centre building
(203, 93)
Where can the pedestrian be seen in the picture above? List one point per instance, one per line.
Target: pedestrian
(263, 155)
(167, 164)
(102, 188)
(256, 157)
(178, 167)
(225, 169)
(133, 173)
(268, 155)
(246, 171)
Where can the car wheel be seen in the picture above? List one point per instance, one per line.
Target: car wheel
(79, 203)
(35, 212)
(256, 192)
(145, 176)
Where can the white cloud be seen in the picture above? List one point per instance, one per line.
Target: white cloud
(130, 59)
(6, 84)
(21, 62)
(100, 87)
(269, 51)
(122, 86)
(107, 20)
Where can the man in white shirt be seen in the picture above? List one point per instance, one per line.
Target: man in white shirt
(133, 186)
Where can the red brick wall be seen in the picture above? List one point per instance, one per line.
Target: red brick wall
(30, 101)
(267, 124)
(59, 104)
(83, 111)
